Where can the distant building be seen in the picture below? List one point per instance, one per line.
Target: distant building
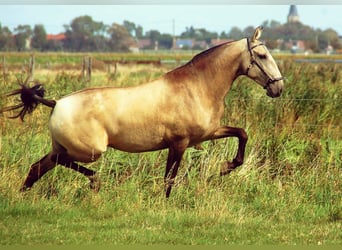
(145, 43)
(184, 43)
(293, 16)
(295, 46)
(55, 42)
(58, 37)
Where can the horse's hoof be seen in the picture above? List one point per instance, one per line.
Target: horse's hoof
(198, 146)
(227, 168)
(24, 189)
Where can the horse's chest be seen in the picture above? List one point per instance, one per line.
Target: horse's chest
(201, 122)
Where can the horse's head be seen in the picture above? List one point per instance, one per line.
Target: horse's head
(261, 67)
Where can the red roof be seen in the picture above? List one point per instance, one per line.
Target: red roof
(58, 37)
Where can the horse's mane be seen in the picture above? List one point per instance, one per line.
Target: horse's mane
(208, 52)
(180, 71)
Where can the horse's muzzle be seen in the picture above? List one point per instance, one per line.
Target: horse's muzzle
(275, 89)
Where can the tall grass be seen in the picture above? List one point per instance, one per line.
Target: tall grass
(287, 192)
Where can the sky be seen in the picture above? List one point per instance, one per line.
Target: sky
(167, 18)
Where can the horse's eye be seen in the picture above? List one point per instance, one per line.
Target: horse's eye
(262, 56)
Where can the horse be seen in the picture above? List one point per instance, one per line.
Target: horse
(178, 110)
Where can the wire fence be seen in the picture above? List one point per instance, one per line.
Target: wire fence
(322, 123)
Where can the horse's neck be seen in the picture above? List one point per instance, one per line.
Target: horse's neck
(212, 71)
(218, 69)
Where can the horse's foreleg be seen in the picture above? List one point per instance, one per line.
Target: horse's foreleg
(240, 133)
(66, 161)
(173, 161)
(37, 170)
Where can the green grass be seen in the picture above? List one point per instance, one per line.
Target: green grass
(288, 192)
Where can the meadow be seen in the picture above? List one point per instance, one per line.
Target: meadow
(288, 191)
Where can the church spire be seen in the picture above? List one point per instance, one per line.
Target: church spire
(293, 16)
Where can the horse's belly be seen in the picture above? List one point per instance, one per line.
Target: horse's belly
(137, 140)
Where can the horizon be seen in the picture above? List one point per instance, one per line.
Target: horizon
(170, 19)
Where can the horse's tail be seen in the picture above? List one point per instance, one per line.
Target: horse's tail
(30, 98)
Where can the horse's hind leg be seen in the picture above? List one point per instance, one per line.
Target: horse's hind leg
(37, 170)
(66, 161)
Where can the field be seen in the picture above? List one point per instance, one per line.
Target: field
(288, 191)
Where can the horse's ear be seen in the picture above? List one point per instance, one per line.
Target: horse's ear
(257, 33)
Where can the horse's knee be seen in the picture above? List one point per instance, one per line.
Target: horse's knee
(243, 135)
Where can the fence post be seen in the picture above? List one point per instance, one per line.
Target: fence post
(86, 68)
(115, 67)
(90, 65)
(4, 67)
(83, 67)
(31, 67)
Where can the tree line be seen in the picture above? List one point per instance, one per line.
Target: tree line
(85, 34)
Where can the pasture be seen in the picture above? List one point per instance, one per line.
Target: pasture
(288, 191)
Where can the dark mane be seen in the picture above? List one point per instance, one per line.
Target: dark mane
(207, 52)
(183, 71)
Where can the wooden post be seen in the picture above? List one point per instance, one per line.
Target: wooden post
(90, 65)
(86, 68)
(3, 65)
(83, 67)
(4, 69)
(31, 67)
(115, 67)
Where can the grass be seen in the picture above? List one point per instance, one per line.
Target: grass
(288, 192)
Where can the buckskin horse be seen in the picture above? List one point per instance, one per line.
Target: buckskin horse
(180, 109)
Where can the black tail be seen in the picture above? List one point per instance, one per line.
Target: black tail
(30, 98)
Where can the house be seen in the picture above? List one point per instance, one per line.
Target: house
(145, 43)
(295, 46)
(58, 37)
(185, 43)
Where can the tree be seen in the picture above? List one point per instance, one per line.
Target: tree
(39, 40)
(120, 39)
(6, 39)
(274, 24)
(200, 34)
(235, 33)
(22, 37)
(188, 33)
(139, 32)
(54, 45)
(133, 29)
(153, 35)
(84, 34)
(248, 31)
(332, 37)
(165, 41)
(204, 35)
(223, 35)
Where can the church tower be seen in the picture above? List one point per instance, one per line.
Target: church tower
(293, 16)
